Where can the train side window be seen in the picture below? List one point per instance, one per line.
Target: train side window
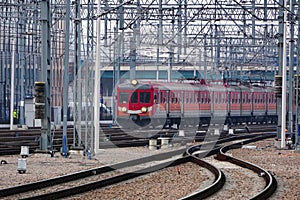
(162, 97)
(155, 98)
(123, 97)
(201, 98)
(179, 98)
(187, 99)
(260, 98)
(198, 98)
(233, 98)
(134, 97)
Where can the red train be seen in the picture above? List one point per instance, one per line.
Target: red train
(151, 104)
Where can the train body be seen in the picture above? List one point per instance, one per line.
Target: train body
(151, 104)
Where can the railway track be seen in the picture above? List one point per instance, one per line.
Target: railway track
(12, 140)
(89, 173)
(270, 181)
(116, 178)
(111, 138)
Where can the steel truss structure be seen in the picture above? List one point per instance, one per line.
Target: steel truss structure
(210, 35)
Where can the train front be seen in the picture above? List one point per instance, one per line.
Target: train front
(134, 104)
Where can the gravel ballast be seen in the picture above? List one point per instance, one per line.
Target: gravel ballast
(165, 184)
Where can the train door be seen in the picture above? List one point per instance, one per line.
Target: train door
(134, 99)
(182, 103)
(229, 102)
(212, 97)
(168, 102)
(240, 101)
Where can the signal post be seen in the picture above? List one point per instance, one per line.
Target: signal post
(40, 113)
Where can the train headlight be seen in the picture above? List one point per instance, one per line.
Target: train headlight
(144, 109)
(124, 109)
(134, 82)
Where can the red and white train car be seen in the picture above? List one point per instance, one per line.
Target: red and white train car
(150, 103)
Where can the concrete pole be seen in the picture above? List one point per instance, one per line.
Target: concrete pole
(280, 58)
(97, 81)
(12, 84)
(283, 102)
(291, 68)
(297, 139)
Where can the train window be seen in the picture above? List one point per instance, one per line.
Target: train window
(197, 97)
(173, 100)
(187, 100)
(123, 97)
(134, 97)
(162, 97)
(260, 98)
(223, 98)
(179, 98)
(155, 98)
(145, 97)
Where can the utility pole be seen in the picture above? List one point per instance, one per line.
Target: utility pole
(46, 74)
(97, 81)
(66, 81)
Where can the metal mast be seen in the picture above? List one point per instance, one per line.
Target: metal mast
(46, 72)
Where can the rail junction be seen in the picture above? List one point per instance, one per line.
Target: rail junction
(62, 61)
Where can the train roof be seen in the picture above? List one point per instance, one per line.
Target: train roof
(143, 84)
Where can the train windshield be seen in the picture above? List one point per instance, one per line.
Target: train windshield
(145, 97)
(134, 97)
(123, 97)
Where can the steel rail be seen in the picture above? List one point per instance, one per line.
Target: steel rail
(116, 179)
(96, 171)
(87, 173)
(218, 184)
(271, 182)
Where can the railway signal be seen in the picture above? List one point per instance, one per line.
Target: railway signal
(40, 99)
